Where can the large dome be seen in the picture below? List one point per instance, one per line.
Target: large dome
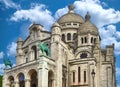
(70, 17)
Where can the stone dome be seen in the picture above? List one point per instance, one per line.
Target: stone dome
(88, 27)
(70, 17)
(55, 25)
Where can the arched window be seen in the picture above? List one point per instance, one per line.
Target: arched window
(11, 81)
(94, 40)
(91, 39)
(84, 76)
(34, 54)
(79, 74)
(21, 78)
(50, 79)
(26, 60)
(68, 36)
(82, 40)
(73, 77)
(85, 39)
(74, 36)
(63, 37)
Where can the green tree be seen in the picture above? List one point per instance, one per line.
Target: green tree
(1, 81)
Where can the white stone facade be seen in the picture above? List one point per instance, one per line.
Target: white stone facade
(75, 54)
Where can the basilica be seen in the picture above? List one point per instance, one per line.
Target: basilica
(70, 55)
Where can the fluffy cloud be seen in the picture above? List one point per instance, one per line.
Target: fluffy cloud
(110, 35)
(118, 71)
(2, 66)
(10, 4)
(11, 49)
(61, 12)
(37, 13)
(103, 16)
(1, 55)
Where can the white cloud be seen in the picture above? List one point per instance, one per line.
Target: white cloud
(37, 13)
(61, 12)
(2, 66)
(10, 4)
(118, 71)
(99, 15)
(110, 35)
(11, 49)
(1, 54)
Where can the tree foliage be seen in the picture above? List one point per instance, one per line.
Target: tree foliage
(1, 81)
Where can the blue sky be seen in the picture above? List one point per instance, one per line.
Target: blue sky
(17, 15)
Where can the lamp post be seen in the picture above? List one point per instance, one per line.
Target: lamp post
(93, 76)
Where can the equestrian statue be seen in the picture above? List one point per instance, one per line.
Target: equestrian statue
(44, 48)
(8, 62)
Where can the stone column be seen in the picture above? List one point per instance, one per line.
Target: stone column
(27, 83)
(16, 84)
(8, 85)
(43, 73)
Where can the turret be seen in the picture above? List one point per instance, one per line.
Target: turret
(19, 54)
(110, 52)
(19, 46)
(56, 32)
(55, 40)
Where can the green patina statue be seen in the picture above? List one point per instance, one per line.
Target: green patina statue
(44, 48)
(7, 62)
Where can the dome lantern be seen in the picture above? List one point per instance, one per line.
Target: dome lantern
(87, 17)
(71, 8)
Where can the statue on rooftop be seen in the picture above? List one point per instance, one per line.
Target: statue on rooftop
(8, 62)
(44, 48)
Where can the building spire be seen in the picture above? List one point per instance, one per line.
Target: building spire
(71, 8)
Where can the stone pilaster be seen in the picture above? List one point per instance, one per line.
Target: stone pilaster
(16, 84)
(27, 83)
(43, 73)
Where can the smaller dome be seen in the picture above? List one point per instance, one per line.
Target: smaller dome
(55, 25)
(88, 27)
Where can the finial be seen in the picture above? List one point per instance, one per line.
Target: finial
(87, 17)
(71, 8)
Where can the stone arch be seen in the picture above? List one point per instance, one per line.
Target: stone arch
(74, 36)
(82, 40)
(34, 52)
(91, 39)
(85, 39)
(21, 79)
(68, 36)
(11, 81)
(50, 78)
(32, 76)
(63, 37)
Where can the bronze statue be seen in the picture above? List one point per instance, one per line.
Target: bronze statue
(8, 62)
(44, 48)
